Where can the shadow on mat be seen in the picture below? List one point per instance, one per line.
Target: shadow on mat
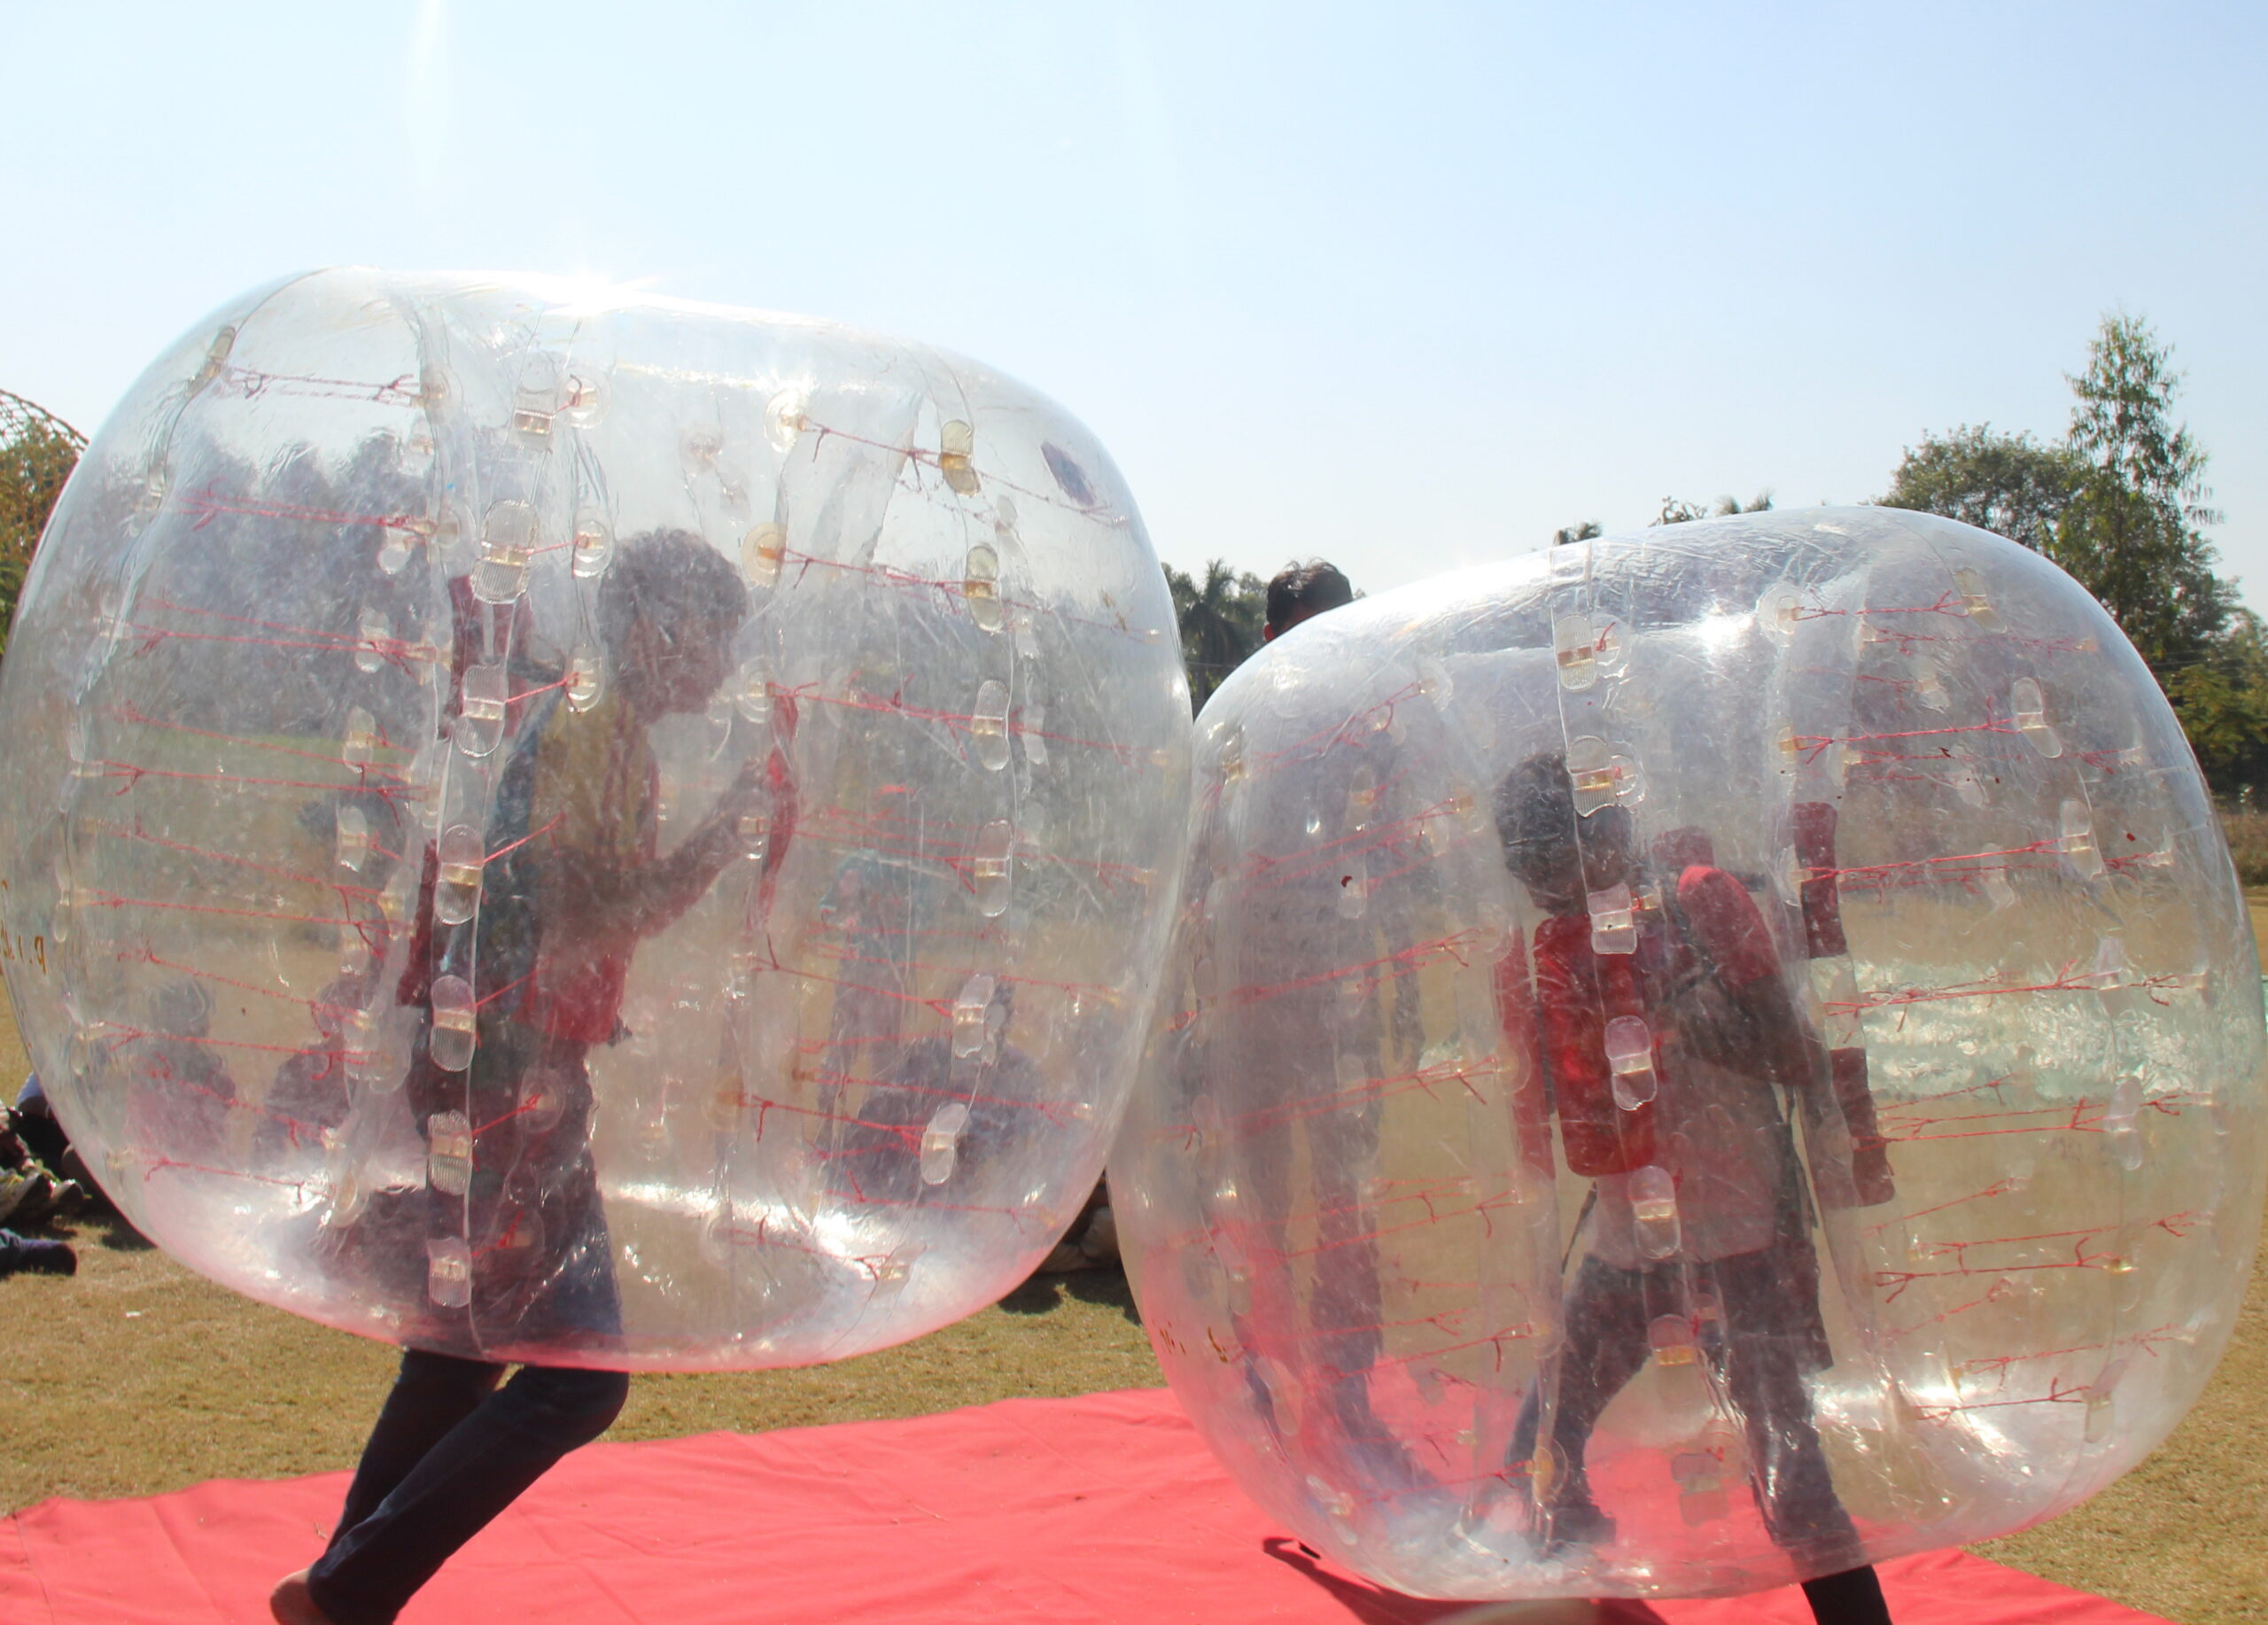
(1043, 1293)
(1374, 1604)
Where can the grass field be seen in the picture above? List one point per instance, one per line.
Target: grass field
(137, 1377)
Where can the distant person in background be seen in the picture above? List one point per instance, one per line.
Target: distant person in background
(1298, 591)
(34, 1255)
(32, 1191)
(1301, 592)
(1302, 1043)
(33, 1119)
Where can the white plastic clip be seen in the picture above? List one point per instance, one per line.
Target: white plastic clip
(448, 1153)
(941, 1142)
(462, 855)
(991, 867)
(1976, 603)
(972, 1014)
(1583, 647)
(480, 726)
(1614, 926)
(370, 647)
(988, 724)
(448, 1272)
(593, 547)
(1630, 1058)
(507, 541)
(1601, 777)
(955, 444)
(2076, 842)
(1653, 1211)
(454, 1018)
(979, 587)
(2031, 718)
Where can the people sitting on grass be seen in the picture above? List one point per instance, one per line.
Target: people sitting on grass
(31, 1193)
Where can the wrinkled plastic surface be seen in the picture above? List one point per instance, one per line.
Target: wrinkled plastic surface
(1888, 1113)
(415, 932)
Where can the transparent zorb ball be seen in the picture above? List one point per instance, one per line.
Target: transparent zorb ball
(1696, 1060)
(510, 788)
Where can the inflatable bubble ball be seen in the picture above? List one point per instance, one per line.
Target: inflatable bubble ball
(1696, 1060)
(544, 822)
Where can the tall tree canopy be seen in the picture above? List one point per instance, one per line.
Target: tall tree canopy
(2120, 502)
(2011, 485)
(37, 453)
(2133, 533)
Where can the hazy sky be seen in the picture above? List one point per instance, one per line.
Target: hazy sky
(1406, 285)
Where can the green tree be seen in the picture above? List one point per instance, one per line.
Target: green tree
(2222, 699)
(37, 453)
(2133, 533)
(2011, 485)
(2120, 504)
(1220, 618)
(1583, 530)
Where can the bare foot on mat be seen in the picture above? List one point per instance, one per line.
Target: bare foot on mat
(293, 1604)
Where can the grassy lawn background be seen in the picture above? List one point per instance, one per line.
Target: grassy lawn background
(137, 1377)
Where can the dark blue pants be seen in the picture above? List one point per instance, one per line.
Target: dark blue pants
(450, 1451)
(1761, 1350)
(16, 1251)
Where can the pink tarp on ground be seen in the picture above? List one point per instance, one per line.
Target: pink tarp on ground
(1100, 1511)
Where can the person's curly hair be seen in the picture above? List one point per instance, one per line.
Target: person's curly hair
(670, 579)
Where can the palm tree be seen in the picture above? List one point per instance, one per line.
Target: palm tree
(1220, 620)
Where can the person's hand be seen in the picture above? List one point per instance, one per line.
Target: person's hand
(720, 835)
(745, 793)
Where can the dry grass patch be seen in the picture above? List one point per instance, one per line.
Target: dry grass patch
(2186, 1534)
(137, 1377)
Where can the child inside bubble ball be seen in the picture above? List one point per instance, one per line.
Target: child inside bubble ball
(578, 882)
(1697, 1225)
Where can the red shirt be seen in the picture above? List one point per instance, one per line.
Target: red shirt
(1577, 991)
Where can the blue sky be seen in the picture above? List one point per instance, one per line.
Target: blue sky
(1406, 285)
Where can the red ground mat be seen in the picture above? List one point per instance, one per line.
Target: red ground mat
(1100, 1510)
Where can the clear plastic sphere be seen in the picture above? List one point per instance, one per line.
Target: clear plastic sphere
(1698, 1059)
(547, 823)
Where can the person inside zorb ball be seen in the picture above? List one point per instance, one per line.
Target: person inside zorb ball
(1666, 1060)
(556, 826)
(1696, 1060)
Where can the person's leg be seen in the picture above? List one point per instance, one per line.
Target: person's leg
(1794, 1488)
(511, 1439)
(1344, 1308)
(1605, 1320)
(431, 1393)
(36, 1254)
(1246, 1182)
(1852, 1598)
